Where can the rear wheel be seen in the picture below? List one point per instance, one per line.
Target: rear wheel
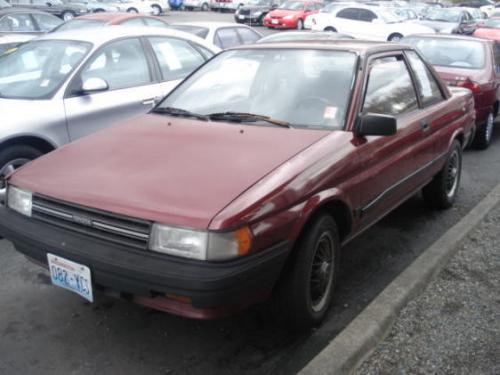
(156, 9)
(304, 294)
(11, 158)
(396, 37)
(300, 25)
(331, 29)
(484, 133)
(442, 191)
(204, 7)
(132, 10)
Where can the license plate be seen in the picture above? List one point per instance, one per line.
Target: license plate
(274, 22)
(241, 17)
(70, 275)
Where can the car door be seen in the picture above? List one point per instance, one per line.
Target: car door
(467, 24)
(391, 163)
(131, 92)
(176, 59)
(346, 22)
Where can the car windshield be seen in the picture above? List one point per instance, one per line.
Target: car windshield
(292, 5)
(77, 24)
(493, 23)
(469, 54)
(202, 32)
(443, 15)
(259, 2)
(37, 69)
(302, 88)
(387, 16)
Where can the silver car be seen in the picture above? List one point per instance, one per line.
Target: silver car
(64, 86)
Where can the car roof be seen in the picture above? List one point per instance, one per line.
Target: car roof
(209, 24)
(446, 36)
(113, 17)
(98, 37)
(363, 47)
(4, 11)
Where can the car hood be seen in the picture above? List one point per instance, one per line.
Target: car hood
(488, 33)
(256, 8)
(283, 12)
(175, 171)
(437, 25)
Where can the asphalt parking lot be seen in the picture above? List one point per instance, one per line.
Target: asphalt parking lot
(47, 330)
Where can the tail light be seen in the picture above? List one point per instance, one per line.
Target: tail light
(469, 84)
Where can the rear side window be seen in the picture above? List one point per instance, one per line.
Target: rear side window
(366, 15)
(133, 22)
(227, 38)
(46, 22)
(177, 58)
(427, 85)
(348, 13)
(248, 36)
(17, 23)
(154, 23)
(390, 89)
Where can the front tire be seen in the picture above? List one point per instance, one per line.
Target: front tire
(305, 291)
(132, 10)
(156, 10)
(66, 16)
(484, 133)
(442, 191)
(330, 29)
(204, 7)
(11, 158)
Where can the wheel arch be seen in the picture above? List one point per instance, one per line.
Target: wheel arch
(38, 142)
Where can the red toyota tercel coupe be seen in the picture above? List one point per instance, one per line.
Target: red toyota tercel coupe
(291, 14)
(226, 193)
(471, 63)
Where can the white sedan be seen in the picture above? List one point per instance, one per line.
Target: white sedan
(364, 22)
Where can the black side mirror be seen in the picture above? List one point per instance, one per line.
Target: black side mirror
(375, 124)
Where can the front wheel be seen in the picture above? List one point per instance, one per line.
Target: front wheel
(304, 294)
(300, 25)
(204, 7)
(442, 191)
(11, 158)
(330, 29)
(484, 133)
(132, 10)
(66, 16)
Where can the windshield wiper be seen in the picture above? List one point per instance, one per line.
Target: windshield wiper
(246, 117)
(180, 113)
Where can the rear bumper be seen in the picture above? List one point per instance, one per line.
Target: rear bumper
(190, 288)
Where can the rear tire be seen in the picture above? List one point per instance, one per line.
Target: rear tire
(396, 37)
(132, 10)
(484, 133)
(442, 191)
(305, 291)
(331, 29)
(11, 158)
(156, 10)
(204, 7)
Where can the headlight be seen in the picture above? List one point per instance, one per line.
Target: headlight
(19, 200)
(201, 245)
(290, 17)
(256, 14)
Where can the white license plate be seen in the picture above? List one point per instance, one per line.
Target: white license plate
(241, 17)
(70, 275)
(274, 22)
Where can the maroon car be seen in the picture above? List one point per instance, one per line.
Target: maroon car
(227, 193)
(467, 62)
(109, 19)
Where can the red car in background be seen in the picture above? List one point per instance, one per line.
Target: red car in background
(291, 14)
(107, 19)
(471, 63)
(489, 29)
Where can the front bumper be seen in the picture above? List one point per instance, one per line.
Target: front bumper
(248, 19)
(196, 289)
(282, 24)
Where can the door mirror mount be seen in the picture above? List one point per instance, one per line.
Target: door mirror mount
(94, 84)
(376, 124)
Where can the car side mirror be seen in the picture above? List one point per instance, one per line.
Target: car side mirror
(94, 84)
(375, 124)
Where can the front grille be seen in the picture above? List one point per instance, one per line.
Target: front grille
(99, 224)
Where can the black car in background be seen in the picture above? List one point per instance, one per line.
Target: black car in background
(17, 21)
(54, 7)
(255, 11)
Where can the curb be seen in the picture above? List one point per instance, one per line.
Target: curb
(360, 338)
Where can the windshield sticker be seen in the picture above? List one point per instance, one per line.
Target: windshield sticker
(330, 112)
